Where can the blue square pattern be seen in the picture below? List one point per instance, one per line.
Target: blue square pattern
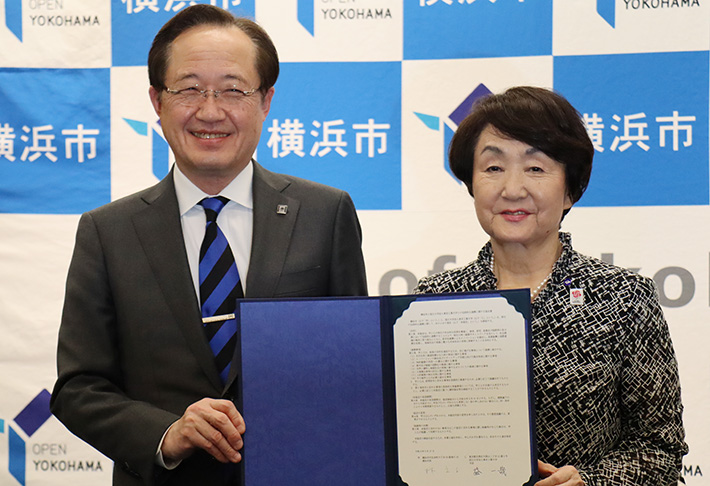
(647, 115)
(55, 140)
(35, 414)
(135, 23)
(461, 29)
(339, 124)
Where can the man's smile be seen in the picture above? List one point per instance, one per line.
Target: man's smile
(209, 135)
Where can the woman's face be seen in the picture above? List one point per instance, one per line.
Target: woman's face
(519, 192)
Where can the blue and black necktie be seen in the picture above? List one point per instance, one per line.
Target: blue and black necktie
(219, 287)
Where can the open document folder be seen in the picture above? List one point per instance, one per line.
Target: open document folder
(419, 390)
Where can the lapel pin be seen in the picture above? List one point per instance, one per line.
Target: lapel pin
(576, 296)
(282, 209)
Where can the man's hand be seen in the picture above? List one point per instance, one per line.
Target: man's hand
(212, 425)
(566, 475)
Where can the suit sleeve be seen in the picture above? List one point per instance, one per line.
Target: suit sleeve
(347, 274)
(88, 396)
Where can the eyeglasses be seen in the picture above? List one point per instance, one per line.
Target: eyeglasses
(193, 95)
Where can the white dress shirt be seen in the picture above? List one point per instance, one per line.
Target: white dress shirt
(235, 220)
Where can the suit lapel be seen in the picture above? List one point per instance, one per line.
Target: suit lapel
(272, 232)
(159, 230)
(270, 240)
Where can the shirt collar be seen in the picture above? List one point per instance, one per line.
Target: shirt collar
(238, 191)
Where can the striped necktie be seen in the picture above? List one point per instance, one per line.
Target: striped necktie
(219, 287)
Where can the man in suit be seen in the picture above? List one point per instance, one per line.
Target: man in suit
(137, 377)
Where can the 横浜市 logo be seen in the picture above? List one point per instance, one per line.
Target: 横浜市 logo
(449, 124)
(160, 151)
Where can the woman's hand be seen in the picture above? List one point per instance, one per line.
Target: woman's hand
(566, 475)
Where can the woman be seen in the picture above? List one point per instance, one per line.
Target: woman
(607, 396)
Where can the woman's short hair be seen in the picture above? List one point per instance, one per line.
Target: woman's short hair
(538, 117)
(267, 59)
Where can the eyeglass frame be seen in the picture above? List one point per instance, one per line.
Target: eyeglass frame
(215, 92)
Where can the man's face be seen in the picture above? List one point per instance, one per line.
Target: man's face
(212, 139)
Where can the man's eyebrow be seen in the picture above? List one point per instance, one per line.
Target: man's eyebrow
(234, 77)
(186, 76)
(195, 77)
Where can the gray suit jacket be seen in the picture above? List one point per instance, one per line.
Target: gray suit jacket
(132, 354)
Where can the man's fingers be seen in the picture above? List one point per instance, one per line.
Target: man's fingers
(228, 408)
(208, 440)
(214, 426)
(229, 422)
(223, 445)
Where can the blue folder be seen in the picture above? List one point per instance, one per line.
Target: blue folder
(318, 391)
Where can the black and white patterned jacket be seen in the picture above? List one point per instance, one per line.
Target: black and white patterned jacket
(607, 395)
